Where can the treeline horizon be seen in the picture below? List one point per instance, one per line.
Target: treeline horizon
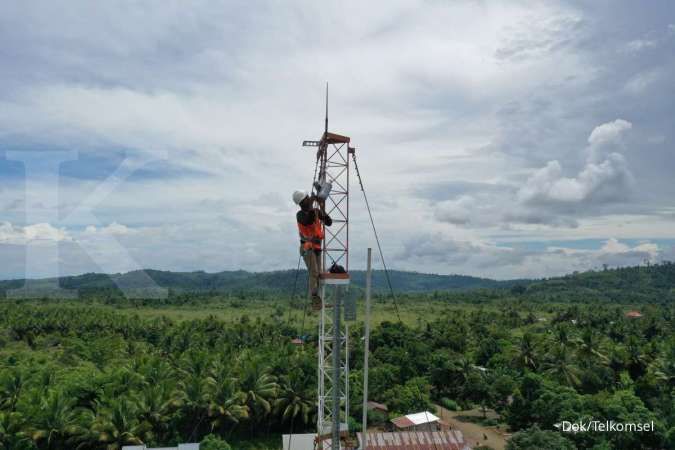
(624, 285)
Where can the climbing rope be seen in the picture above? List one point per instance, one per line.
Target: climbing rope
(377, 239)
(304, 309)
(297, 270)
(295, 284)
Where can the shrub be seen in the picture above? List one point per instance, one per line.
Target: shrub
(537, 439)
(213, 442)
(450, 405)
(377, 418)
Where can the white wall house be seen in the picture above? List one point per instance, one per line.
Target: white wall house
(180, 447)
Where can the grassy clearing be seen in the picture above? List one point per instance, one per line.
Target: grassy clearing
(411, 313)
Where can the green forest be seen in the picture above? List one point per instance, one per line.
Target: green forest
(217, 366)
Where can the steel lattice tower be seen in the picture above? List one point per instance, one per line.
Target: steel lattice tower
(333, 368)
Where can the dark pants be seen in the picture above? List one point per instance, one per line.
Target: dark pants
(312, 260)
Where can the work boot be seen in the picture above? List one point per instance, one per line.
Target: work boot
(316, 302)
(323, 189)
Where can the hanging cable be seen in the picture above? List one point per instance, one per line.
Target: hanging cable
(377, 239)
(295, 284)
(290, 436)
(304, 309)
(297, 270)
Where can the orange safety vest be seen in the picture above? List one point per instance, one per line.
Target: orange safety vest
(311, 235)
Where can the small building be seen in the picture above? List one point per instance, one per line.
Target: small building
(422, 421)
(297, 341)
(633, 314)
(180, 447)
(418, 440)
(298, 441)
(374, 406)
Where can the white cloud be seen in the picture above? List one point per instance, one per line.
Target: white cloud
(508, 261)
(609, 132)
(11, 234)
(612, 253)
(114, 229)
(229, 91)
(638, 45)
(599, 181)
(34, 234)
(641, 82)
(438, 248)
(548, 197)
(608, 181)
(614, 246)
(646, 250)
(458, 212)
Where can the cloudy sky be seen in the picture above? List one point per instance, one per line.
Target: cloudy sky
(501, 139)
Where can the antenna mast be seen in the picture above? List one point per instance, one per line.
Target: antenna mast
(333, 368)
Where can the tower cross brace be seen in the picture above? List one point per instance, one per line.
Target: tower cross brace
(333, 156)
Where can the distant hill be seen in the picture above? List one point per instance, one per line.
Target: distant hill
(240, 280)
(655, 283)
(638, 284)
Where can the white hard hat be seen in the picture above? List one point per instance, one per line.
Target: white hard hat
(299, 196)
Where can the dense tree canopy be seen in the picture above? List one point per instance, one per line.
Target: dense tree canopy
(92, 374)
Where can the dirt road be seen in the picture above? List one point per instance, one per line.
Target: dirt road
(474, 433)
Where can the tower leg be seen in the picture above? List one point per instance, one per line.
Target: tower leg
(333, 369)
(337, 343)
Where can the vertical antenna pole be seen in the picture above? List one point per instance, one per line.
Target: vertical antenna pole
(346, 370)
(337, 343)
(333, 368)
(366, 349)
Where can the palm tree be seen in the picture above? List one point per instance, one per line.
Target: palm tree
(121, 380)
(117, 423)
(195, 394)
(560, 367)
(156, 404)
(155, 370)
(637, 360)
(663, 367)
(589, 347)
(295, 401)
(527, 355)
(259, 388)
(561, 336)
(11, 435)
(10, 389)
(196, 388)
(227, 404)
(56, 422)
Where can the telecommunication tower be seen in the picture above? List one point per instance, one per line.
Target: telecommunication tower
(333, 153)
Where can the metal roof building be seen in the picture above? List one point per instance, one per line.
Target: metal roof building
(377, 406)
(180, 447)
(416, 440)
(417, 421)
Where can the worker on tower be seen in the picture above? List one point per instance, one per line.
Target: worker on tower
(310, 225)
